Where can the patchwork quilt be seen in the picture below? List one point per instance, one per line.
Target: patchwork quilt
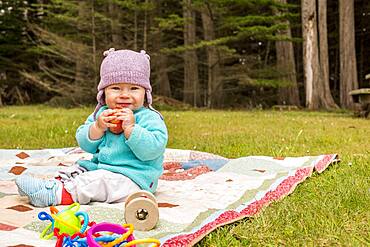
(197, 193)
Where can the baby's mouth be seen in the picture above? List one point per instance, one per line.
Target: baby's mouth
(123, 105)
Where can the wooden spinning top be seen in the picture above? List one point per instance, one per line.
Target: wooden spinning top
(141, 210)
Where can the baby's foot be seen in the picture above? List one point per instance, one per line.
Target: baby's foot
(41, 193)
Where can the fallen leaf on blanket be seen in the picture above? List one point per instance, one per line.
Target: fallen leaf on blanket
(61, 164)
(17, 170)
(259, 170)
(279, 158)
(20, 208)
(166, 205)
(229, 180)
(18, 163)
(22, 155)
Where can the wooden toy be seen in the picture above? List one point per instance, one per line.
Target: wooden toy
(141, 210)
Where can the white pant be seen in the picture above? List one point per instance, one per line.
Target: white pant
(99, 186)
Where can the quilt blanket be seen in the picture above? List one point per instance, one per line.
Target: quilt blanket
(197, 193)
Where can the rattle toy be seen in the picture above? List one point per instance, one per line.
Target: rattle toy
(67, 221)
(141, 210)
(117, 229)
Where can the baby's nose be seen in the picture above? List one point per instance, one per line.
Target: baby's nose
(124, 93)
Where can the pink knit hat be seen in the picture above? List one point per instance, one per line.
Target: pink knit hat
(124, 66)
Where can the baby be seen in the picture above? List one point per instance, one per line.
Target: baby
(126, 136)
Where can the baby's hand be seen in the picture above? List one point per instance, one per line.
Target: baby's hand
(103, 121)
(127, 117)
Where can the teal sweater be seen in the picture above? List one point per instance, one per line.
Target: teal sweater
(139, 158)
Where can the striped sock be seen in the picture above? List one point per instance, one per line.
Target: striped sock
(40, 192)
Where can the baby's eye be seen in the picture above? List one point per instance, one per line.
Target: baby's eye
(115, 88)
(134, 88)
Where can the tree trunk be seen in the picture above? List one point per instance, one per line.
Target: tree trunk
(348, 69)
(286, 64)
(135, 28)
(362, 35)
(328, 100)
(162, 76)
(310, 52)
(160, 60)
(214, 88)
(191, 78)
(145, 32)
(94, 43)
(81, 68)
(115, 15)
(316, 92)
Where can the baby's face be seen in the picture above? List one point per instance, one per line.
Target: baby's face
(124, 95)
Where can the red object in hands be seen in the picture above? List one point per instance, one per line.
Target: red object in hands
(118, 128)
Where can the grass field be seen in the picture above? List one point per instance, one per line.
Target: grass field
(329, 209)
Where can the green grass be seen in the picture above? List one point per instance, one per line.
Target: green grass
(327, 209)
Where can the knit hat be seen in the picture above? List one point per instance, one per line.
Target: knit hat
(124, 66)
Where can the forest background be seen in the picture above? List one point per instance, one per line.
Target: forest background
(216, 54)
(239, 54)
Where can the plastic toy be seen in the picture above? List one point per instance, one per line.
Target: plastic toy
(141, 210)
(118, 229)
(67, 220)
(71, 231)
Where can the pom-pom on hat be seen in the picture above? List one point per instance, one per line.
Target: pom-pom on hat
(124, 66)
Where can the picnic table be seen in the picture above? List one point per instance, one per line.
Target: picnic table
(361, 98)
